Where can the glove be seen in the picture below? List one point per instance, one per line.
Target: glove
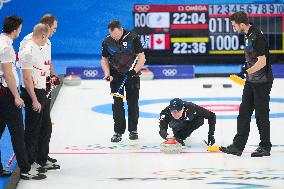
(243, 73)
(3, 91)
(211, 140)
(131, 73)
(107, 78)
(163, 133)
(55, 80)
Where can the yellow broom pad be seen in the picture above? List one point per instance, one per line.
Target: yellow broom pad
(117, 95)
(213, 148)
(237, 79)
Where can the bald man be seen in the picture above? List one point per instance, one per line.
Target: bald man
(34, 71)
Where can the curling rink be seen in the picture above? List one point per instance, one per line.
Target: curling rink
(83, 126)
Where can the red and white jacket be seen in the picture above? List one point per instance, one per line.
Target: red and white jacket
(7, 55)
(32, 56)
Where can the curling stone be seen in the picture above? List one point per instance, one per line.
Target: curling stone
(170, 146)
(72, 80)
(207, 85)
(146, 74)
(227, 85)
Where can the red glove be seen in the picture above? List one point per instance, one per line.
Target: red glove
(55, 80)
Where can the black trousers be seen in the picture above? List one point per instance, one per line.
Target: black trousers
(256, 96)
(36, 127)
(46, 130)
(11, 116)
(45, 134)
(131, 87)
(185, 130)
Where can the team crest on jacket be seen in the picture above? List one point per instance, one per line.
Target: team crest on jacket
(162, 117)
(124, 44)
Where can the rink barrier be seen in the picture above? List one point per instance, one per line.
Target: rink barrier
(159, 71)
(278, 70)
(86, 72)
(171, 71)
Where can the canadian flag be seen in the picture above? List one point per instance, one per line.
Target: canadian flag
(159, 41)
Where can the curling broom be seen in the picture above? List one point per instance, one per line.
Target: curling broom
(237, 79)
(117, 94)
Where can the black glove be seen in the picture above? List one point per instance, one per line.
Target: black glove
(211, 140)
(131, 73)
(163, 133)
(243, 73)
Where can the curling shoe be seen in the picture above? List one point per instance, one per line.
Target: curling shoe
(260, 152)
(133, 135)
(231, 149)
(116, 137)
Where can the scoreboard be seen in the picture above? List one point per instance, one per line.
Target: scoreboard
(204, 32)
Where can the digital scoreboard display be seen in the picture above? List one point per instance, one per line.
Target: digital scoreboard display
(203, 32)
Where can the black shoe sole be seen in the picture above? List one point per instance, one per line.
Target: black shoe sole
(52, 160)
(225, 150)
(38, 177)
(133, 138)
(115, 140)
(259, 155)
(25, 178)
(53, 168)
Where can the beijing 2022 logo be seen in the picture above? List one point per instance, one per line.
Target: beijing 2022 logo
(2, 3)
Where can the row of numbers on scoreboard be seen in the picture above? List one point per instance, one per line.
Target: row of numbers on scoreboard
(248, 8)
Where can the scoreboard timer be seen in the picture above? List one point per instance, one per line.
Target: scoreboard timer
(179, 31)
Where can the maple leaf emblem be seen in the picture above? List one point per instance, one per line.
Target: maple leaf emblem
(159, 41)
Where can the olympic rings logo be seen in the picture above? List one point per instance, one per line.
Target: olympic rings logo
(142, 8)
(170, 72)
(90, 73)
